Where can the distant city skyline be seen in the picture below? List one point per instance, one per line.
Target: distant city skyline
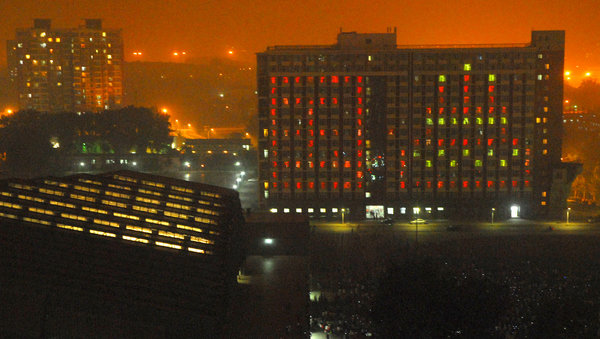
(233, 29)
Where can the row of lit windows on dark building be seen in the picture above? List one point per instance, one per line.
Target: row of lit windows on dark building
(403, 185)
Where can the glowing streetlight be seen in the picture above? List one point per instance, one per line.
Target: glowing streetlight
(9, 111)
(175, 53)
(566, 101)
(567, 73)
(587, 74)
(568, 213)
(493, 210)
(137, 53)
(164, 110)
(221, 95)
(230, 52)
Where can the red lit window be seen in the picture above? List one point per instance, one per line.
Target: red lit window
(286, 164)
(311, 143)
(440, 184)
(465, 110)
(478, 110)
(322, 80)
(311, 185)
(441, 100)
(402, 185)
(335, 79)
(274, 163)
(403, 153)
(297, 132)
(359, 79)
(490, 184)
(402, 163)
(323, 185)
(335, 132)
(359, 132)
(347, 185)
(478, 142)
(359, 185)
(347, 164)
(490, 88)
(417, 142)
(311, 132)
(273, 122)
(273, 90)
(310, 79)
(274, 184)
(391, 131)
(359, 122)
(359, 101)
(441, 110)
(274, 142)
(298, 185)
(428, 184)
(452, 184)
(322, 132)
(515, 183)
(335, 184)
(311, 164)
(452, 142)
(466, 100)
(310, 111)
(453, 111)
(526, 183)
(491, 99)
(274, 174)
(273, 111)
(322, 101)
(417, 184)
(359, 142)
(465, 142)
(346, 79)
(310, 122)
(334, 101)
(359, 164)
(359, 111)
(298, 164)
(359, 174)
(428, 110)
(273, 80)
(358, 90)
(286, 185)
(491, 110)
(503, 109)
(298, 101)
(273, 101)
(359, 153)
(285, 80)
(466, 78)
(465, 89)
(297, 80)
(440, 142)
(441, 89)
(311, 102)
(322, 164)
(286, 101)
(335, 153)
(490, 142)
(515, 141)
(478, 184)
(465, 184)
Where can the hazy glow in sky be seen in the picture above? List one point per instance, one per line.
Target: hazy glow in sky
(209, 28)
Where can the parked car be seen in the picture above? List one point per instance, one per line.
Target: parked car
(418, 221)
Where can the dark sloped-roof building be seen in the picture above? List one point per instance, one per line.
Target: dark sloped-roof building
(118, 254)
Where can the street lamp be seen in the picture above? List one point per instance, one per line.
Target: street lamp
(416, 211)
(568, 213)
(493, 210)
(343, 211)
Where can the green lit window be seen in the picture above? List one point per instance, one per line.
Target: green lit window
(492, 77)
(491, 121)
(467, 67)
(490, 153)
(503, 121)
(477, 163)
(442, 78)
(453, 121)
(416, 154)
(478, 121)
(427, 163)
(465, 121)
(466, 152)
(452, 163)
(502, 163)
(429, 121)
(441, 153)
(441, 121)
(515, 152)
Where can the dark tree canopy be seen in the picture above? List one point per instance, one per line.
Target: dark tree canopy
(418, 300)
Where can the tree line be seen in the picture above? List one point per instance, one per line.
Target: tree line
(33, 143)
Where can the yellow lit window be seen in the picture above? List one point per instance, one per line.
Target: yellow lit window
(7, 215)
(105, 234)
(189, 228)
(69, 227)
(502, 163)
(166, 244)
(201, 240)
(93, 210)
(106, 223)
(37, 221)
(171, 234)
(144, 209)
(205, 220)
(159, 222)
(467, 67)
(139, 229)
(466, 152)
(128, 216)
(491, 77)
(10, 205)
(60, 203)
(120, 187)
(126, 237)
(195, 250)
(40, 210)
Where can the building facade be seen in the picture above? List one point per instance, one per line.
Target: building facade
(373, 129)
(75, 69)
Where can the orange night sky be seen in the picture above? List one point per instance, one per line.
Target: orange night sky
(207, 28)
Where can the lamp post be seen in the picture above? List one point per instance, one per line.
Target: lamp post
(416, 210)
(493, 210)
(568, 213)
(343, 211)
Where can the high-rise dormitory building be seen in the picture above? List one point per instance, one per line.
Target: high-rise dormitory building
(73, 69)
(378, 129)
